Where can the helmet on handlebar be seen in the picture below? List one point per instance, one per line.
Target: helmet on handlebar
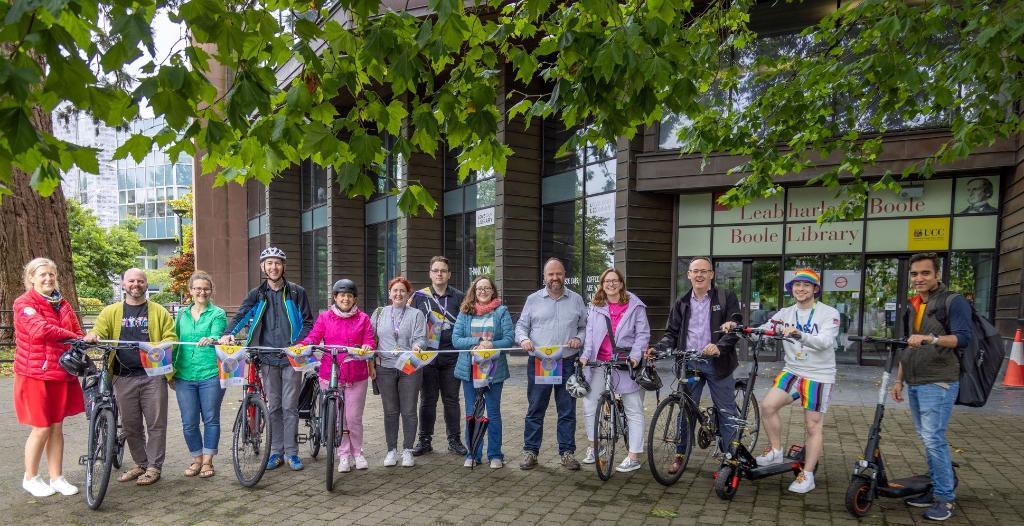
(577, 385)
(646, 376)
(75, 362)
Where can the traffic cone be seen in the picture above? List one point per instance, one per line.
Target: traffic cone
(1015, 369)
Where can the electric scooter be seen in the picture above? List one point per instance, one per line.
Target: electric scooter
(870, 480)
(739, 463)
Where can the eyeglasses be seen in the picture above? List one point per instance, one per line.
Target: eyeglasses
(700, 271)
(438, 271)
(484, 289)
(199, 289)
(611, 281)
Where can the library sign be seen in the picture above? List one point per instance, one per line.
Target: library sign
(931, 218)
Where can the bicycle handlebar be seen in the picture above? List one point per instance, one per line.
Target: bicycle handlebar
(689, 355)
(899, 342)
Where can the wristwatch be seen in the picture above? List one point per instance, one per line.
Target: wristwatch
(935, 340)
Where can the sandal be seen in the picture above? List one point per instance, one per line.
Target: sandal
(207, 471)
(132, 474)
(194, 468)
(149, 477)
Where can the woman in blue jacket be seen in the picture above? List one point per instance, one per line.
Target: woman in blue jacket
(483, 324)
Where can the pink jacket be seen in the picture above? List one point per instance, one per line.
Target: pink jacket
(331, 329)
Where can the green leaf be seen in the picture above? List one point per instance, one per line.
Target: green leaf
(16, 127)
(86, 159)
(138, 145)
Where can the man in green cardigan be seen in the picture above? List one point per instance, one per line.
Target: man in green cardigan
(139, 396)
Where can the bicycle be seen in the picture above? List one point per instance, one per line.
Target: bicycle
(610, 420)
(105, 441)
(331, 404)
(251, 433)
(310, 414)
(670, 436)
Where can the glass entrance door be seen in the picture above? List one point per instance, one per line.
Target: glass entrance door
(886, 293)
(756, 284)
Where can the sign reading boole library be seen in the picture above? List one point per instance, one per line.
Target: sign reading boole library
(939, 215)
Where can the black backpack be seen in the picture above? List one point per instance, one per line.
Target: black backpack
(980, 361)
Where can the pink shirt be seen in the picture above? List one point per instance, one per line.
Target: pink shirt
(617, 310)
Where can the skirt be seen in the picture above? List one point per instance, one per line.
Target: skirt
(42, 403)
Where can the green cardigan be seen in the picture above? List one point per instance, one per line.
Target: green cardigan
(191, 362)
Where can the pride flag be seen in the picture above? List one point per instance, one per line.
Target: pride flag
(231, 365)
(359, 354)
(301, 357)
(435, 326)
(412, 361)
(156, 359)
(547, 365)
(484, 367)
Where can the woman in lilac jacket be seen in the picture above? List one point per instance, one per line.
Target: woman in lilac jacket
(627, 316)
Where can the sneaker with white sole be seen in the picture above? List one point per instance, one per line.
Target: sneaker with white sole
(62, 486)
(804, 482)
(408, 460)
(589, 458)
(344, 465)
(391, 459)
(628, 465)
(468, 463)
(37, 487)
(769, 457)
(497, 463)
(939, 511)
(361, 462)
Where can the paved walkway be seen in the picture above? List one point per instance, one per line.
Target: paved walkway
(440, 491)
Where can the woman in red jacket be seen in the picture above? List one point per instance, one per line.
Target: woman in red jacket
(44, 394)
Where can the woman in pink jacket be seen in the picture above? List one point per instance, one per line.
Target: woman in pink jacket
(345, 324)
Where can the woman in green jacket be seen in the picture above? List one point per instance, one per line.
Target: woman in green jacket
(196, 384)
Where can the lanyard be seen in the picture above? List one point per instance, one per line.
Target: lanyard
(444, 308)
(806, 328)
(395, 326)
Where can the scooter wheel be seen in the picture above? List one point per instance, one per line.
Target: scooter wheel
(725, 486)
(858, 498)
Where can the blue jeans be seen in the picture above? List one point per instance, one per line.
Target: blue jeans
(538, 397)
(492, 401)
(930, 407)
(722, 396)
(195, 399)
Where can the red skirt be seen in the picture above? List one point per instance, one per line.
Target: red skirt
(42, 403)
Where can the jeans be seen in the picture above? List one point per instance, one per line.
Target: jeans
(538, 397)
(195, 399)
(492, 402)
(931, 406)
(283, 384)
(722, 396)
(439, 379)
(398, 392)
(143, 398)
(633, 403)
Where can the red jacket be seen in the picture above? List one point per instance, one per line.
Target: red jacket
(38, 332)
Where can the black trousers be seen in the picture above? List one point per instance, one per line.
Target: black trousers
(439, 381)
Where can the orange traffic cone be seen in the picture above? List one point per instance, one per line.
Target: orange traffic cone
(1015, 369)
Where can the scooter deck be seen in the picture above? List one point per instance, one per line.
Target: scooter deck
(906, 487)
(787, 465)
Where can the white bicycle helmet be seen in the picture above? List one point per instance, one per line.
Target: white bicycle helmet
(273, 252)
(576, 384)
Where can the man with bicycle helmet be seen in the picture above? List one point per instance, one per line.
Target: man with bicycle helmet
(276, 314)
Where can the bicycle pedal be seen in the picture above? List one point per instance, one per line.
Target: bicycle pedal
(302, 439)
(83, 460)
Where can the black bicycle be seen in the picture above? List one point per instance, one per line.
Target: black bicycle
(678, 417)
(309, 412)
(105, 442)
(610, 420)
(331, 404)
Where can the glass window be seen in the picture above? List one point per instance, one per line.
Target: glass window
(839, 272)
(972, 274)
(256, 245)
(382, 249)
(184, 174)
(560, 236)
(313, 184)
(256, 198)
(469, 245)
(314, 267)
(599, 239)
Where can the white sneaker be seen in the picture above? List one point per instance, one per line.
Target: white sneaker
(468, 463)
(344, 465)
(497, 463)
(37, 487)
(589, 458)
(804, 482)
(361, 462)
(628, 465)
(62, 486)
(769, 457)
(391, 459)
(407, 459)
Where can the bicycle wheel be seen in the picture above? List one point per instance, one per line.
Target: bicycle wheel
(119, 446)
(330, 419)
(604, 437)
(752, 424)
(100, 459)
(250, 443)
(313, 424)
(670, 438)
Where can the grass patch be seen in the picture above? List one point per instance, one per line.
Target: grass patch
(6, 367)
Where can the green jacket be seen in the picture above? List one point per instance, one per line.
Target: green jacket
(191, 362)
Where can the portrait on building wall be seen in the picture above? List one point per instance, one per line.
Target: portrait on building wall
(977, 195)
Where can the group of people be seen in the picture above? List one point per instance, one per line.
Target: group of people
(439, 317)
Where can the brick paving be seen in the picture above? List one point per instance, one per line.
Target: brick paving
(440, 491)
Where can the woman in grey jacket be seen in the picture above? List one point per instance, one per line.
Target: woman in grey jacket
(399, 327)
(627, 316)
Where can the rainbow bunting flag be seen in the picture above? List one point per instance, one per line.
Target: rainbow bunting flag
(435, 326)
(156, 359)
(484, 367)
(231, 365)
(359, 354)
(413, 361)
(547, 365)
(301, 357)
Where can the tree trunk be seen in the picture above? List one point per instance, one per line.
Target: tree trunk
(32, 226)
